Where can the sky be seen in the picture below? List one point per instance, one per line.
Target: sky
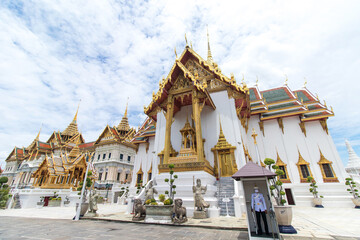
(54, 53)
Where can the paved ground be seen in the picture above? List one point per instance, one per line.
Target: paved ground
(311, 223)
(60, 229)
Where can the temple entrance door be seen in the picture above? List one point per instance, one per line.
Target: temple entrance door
(225, 164)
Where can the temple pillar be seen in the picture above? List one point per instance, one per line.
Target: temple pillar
(169, 118)
(197, 119)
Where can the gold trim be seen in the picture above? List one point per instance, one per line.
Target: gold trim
(261, 126)
(300, 162)
(322, 161)
(302, 126)
(279, 163)
(281, 124)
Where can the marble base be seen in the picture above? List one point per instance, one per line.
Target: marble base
(200, 215)
(90, 214)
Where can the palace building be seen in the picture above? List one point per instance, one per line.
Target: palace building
(209, 126)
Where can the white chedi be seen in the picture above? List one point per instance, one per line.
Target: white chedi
(353, 166)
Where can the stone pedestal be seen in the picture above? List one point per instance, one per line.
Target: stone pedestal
(200, 215)
(91, 214)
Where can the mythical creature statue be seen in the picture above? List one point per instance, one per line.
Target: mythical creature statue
(93, 201)
(179, 212)
(150, 191)
(139, 210)
(198, 191)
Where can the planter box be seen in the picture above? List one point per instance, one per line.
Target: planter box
(100, 200)
(158, 213)
(317, 202)
(356, 202)
(84, 208)
(54, 203)
(284, 217)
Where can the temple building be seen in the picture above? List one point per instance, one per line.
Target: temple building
(114, 157)
(209, 126)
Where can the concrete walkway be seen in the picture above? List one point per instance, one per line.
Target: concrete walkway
(311, 223)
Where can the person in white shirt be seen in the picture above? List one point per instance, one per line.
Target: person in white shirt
(258, 204)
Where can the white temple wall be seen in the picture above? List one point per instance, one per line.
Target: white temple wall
(178, 124)
(160, 133)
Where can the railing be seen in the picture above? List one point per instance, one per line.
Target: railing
(141, 195)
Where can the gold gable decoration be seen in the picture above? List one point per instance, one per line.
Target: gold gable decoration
(302, 162)
(224, 157)
(281, 164)
(326, 168)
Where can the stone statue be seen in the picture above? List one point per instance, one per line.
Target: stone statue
(150, 191)
(198, 191)
(139, 210)
(16, 201)
(93, 202)
(179, 212)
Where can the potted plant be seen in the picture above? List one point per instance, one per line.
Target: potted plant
(283, 212)
(55, 201)
(162, 213)
(317, 200)
(353, 191)
(4, 195)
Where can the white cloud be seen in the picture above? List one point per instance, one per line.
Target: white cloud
(54, 53)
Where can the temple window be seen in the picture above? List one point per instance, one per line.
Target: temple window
(106, 176)
(118, 176)
(100, 176)
(126, 176)
(104, 156)
(129, 158)
(139, 177)
(327, 170)
(121, 156)
(109, 155)
(99, 157)
(304, 169)
(282, 166)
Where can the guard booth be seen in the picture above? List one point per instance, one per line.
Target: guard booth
(252, 175)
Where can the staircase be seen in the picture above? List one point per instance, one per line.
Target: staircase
(226, 185)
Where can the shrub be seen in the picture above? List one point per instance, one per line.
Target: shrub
(171, 181)
(276, 188)
(162, 197)
(313, 187)
(352, 187)
(147, 202)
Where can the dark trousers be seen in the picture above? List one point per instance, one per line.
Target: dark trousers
(263, 215)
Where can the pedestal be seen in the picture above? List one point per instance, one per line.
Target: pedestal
(200, 215)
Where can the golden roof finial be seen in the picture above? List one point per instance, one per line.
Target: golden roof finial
(232, 77)
(209, 57)
(305, 82)
(175, 53)
(75, 117)
(127, 102)
(317, 97)
(325, 103)
(191, 45)
(186, 41)
(331, 108)
(257, 81)
(286, 80)
(243, 79)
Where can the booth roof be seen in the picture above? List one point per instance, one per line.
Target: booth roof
(252, 170)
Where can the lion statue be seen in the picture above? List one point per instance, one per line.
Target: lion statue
(179, 212)
(139, 210)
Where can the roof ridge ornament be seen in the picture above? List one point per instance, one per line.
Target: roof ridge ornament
(175, 53)
(305, 83)
(187, 45)
(286, 80)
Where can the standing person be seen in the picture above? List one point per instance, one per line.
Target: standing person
(258, 204)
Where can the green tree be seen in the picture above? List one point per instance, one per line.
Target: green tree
(171, 181)
(3, 180)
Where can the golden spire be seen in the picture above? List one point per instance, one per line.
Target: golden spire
(75, 117)
(72, 129)
(175, 53)
(186, 41)
(305, 83)
(37, 137)
(257, 81)
(127, 101)
(209, 57)
(191, 45)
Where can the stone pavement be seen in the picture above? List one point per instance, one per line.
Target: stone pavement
(311, 223)
(59, 229)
